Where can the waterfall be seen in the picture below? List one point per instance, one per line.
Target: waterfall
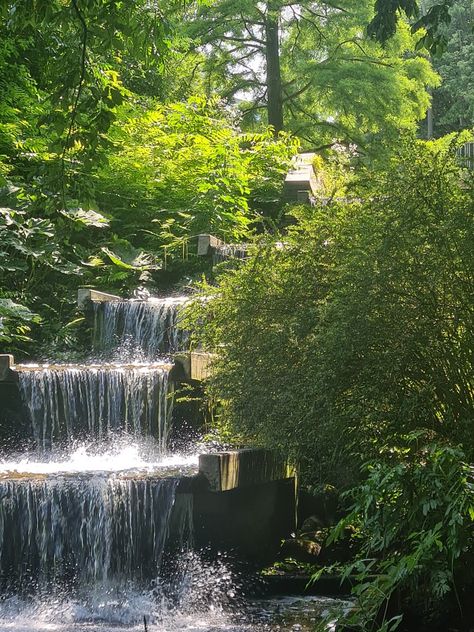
(82, 529)
(67, 402)
(102, 502)
(148, 327)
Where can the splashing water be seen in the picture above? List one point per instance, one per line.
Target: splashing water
(98, 512)
(111, 609)
(122, 455)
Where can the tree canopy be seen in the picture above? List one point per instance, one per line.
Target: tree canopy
(431, 19)
(308, 67)
(453, 100)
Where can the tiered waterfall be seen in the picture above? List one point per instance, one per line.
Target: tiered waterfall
(95, 498)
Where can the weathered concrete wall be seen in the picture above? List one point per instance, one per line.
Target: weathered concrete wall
(244, 501)
(14, 432)
(301, 182)
(195, 365)
(252, 521)
(242, 468)
(85, 295)
(201, 363)
(206, 245)
(6, 363)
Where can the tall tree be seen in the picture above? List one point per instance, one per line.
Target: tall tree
(308, 66)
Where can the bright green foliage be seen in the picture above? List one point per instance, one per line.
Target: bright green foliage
(60, 88)
(18, 105)
(28, 251)
(360, 327)
(414, 518)
(14, 319)
(330, 80)
(184, 169)
(175, 171)
(65, 67)
(349, 87)
(66, 110)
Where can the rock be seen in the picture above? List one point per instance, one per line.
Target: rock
(309, 545)
(315, 536)
(302, 550)
(141, 293)
(342, 550)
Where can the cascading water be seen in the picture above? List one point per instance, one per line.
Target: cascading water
(225, 252)
(83, 528)
(102, 512)
(67, 402)
(89, 516)
(150, 326)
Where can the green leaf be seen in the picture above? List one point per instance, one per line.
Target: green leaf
(9, 309)
(88, 218)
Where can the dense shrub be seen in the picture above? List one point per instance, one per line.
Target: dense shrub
(361, 327)
(181, 169)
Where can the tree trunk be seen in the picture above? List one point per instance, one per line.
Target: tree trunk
(429, 122)
(273, 80)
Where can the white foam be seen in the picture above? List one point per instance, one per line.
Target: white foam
(89, 459)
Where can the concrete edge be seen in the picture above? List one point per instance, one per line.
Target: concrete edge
(206, 243)
(195, 365)
(86, 295)
(238, 469)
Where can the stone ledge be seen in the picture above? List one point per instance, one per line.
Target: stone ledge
(85, 295)
(242, 468)
(206, 244)
(7, 362)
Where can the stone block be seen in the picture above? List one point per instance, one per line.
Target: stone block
(251, 520)
(206, 243)
(242, 468)
(201, 365)
(6, 363)
(84, 295)
(195, 365)
(182, 370)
